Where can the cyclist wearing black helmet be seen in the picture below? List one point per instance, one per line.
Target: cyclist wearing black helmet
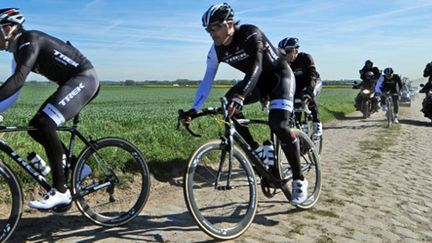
(59, 62)
(308, 82)
(369, 67)
(246, 48)
(393, 83)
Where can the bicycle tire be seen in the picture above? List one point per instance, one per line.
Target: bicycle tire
(203, 199)
(129, 167)
(11, 202)
(311, 168)
(389, 113)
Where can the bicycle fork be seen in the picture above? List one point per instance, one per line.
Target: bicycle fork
(227, 145)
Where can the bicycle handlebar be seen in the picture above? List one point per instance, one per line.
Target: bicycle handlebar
(204, 112)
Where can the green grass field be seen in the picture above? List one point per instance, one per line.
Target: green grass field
(147, 116)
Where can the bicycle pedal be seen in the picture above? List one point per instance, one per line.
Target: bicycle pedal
(61, 208)
(224, 188)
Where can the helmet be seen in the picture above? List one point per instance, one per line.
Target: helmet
(289, 43)
(217, 13)
(368, 62)
(369, 75)
(11, 16)
(388, 70)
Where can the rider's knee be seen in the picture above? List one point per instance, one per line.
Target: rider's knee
(42, 122)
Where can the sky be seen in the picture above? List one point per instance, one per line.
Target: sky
(165, 40)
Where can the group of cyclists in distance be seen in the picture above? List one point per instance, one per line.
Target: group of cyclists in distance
(274, 76)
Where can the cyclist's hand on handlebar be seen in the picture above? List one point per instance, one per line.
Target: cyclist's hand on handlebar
(236, 105)
(265, 103)
(186, 117)
(306, 99)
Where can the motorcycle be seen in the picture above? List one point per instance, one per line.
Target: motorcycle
(427, 101)
(366, 101)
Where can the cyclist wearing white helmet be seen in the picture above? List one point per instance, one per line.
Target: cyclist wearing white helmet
(393, 83)
(246, 48)
(308, 82)
(60, 62)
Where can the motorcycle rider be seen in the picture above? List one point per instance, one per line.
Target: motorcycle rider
(390, 82)
(368, 83)
(369, 67)
(427, 105)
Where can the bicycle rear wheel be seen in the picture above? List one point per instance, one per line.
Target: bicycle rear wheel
(117, 176)
(389, 113)
(222, 211)
(11, 202)
(310, 166)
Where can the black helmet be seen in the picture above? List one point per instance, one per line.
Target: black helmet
(289, 43)
(11, 16)
(368, 62)
(217, 13)
(388, 70)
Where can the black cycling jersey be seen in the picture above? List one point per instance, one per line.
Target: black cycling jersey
(305, 74)
(46, 55)
(394, 84)
(366, 69)
(252, 53)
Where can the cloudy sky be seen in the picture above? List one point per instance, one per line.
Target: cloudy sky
(164, 39)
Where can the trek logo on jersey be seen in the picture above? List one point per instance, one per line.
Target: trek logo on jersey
(64, 59)
(237, 58)
(71, 95)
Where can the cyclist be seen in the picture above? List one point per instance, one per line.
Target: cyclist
(246, 48)
(369, 83)
(390, 82)
(369, 67)
(308, 82)
(61, 63)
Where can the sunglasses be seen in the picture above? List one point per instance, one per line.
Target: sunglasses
(215, 27)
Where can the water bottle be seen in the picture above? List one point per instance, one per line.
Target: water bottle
(305, 128)
(38, 163)
(269, 153)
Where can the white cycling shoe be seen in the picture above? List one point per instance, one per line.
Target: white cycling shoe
(317, 129)
(299, 191)
(52, 199)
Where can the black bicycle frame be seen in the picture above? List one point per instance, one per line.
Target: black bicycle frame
(38, 176)
(231, 135)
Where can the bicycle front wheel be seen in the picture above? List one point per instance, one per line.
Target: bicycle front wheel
(11, 202)
(220, 196)
(112, 181)
(389, 112)
(310, 167)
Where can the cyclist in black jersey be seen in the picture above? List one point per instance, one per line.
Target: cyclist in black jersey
(308, 82)
(390, 82)
(61, 63)
(246, 48)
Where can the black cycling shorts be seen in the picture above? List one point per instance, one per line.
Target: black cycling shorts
(68, 100)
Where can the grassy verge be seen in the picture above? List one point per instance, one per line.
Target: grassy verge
(146, 117)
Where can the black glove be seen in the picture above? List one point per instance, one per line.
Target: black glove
(186, 117)
(236, 103)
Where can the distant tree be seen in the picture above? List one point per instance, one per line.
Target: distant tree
(129, 82)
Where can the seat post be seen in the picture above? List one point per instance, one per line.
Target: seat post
(76, 120)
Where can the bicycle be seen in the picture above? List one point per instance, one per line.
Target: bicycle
(112, 193)
(220, 183)
(301, 110)
(390, 110)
